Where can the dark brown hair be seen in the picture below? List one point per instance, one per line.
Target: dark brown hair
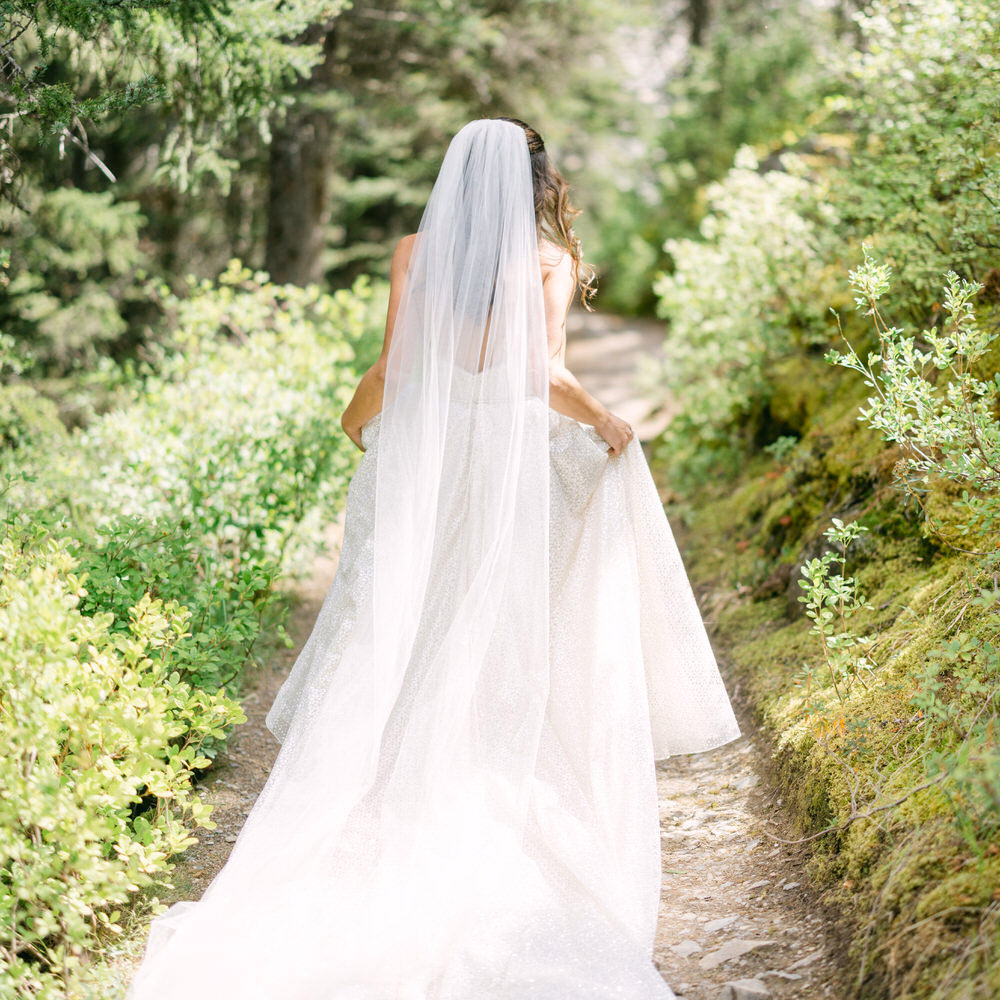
(554, 211)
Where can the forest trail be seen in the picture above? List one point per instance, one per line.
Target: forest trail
(737, 918)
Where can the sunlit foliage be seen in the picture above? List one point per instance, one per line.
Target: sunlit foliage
(140, 563)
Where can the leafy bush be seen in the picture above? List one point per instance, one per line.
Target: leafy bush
(236, 437)
(924, 181)
(937, 396)
(141, 557)
(102, 738)
(740, 298)
(133, 556)
(922, 185)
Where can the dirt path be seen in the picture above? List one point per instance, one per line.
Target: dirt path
(239, 774)
(606, 354)
(737, 919)
(736, 907)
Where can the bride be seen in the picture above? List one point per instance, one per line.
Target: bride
(464, 805)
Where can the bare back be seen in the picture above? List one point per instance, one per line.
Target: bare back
(558, 287)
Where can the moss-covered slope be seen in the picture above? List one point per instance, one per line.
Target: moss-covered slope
(903, 774)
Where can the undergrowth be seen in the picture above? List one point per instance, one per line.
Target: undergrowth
(885, 738)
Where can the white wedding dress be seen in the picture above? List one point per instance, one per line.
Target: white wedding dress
(464, 807)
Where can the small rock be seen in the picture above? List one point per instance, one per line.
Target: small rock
(780, 974)
(790, 885)
(760, 884)
(717, 925)
(730, 950)
(686, 948)
(744, 989)
(808, 960)
(231, 839)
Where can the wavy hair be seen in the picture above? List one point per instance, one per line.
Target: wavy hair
(554, 211)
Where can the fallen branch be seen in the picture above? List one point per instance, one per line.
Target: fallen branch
(854, 817)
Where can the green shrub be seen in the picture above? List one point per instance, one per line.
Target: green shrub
(924, 180)
(937, 396)
(133, 556)
(236, 439)
(101, 739)
(739, 299)
(142, 554)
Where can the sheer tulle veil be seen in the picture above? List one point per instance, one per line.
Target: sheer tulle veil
(391, 824)
(464, 805)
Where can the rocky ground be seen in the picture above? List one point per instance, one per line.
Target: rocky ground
(738, 920)
(737, 917)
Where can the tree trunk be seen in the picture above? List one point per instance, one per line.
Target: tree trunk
(697, 18)
(298, 209)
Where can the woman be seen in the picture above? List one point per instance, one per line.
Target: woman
(464, 805)
(563, 270)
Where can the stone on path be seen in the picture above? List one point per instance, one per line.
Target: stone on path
(685, 948)
(808, 960)
(730, 950)
(717, 925)
(744, 989)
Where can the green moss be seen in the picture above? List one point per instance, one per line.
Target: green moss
(794, 399)
(916, 877)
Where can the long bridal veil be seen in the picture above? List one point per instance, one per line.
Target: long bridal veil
(386, 843)
(464, 804)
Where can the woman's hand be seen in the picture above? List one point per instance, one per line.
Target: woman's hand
(367, 401)
(616, 432)
(354, 433)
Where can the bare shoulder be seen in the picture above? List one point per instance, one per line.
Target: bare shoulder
(403, 249)
(556, 261)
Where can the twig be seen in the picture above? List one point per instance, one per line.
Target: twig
(85, 146)
(870, 814)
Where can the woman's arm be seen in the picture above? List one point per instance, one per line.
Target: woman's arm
(367, 400)
(566, 395)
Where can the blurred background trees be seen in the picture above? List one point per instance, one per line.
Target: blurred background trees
(303, 136)
(198, 201)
